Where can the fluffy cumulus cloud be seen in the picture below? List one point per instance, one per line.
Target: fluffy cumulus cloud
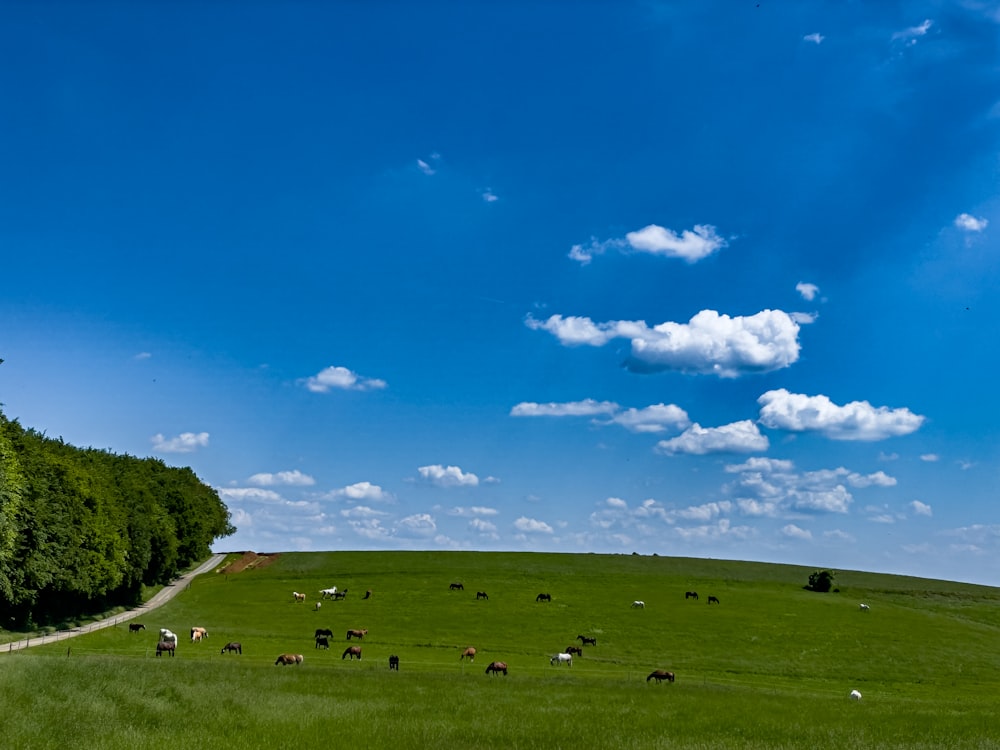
(857, 420)
(363, 491)
(709, 344)
(340, 378)
(655, 418)
(794, 532)
(292, 478)
(690, 245)
(447, 476)
(970, 223)
(186, 442)
(527, 525)
(738, 437)
(921, 509)
(417, 525)
(772, 487)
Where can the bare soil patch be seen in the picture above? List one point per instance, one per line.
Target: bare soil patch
(250, 561)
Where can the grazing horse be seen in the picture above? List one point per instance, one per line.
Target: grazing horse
(322, 642)
(289, 659)
(135, 627)
(713, 600)
(566, 659)
(660, 675)
(368, 594)
(324, 632)
(298, 597)
(470, 652)
(168, 636)
(359, 634)
(168, 646)
(232, 646)
(328, 592)
(691, 595)
(855, 695)
(497, 667)
(351, 651)
(197, 634)
(393, 662)
(864, 607)
(456, 587)
(482, 595)
(543, 598)
(585, 641)
(637, 604)
(573, 650)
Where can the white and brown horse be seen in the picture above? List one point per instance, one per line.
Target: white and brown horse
(197, 634)
(359, 634)
(497, 667)
(289, 659)
(470, 652)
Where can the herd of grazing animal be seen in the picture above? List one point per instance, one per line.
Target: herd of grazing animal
(167, 639)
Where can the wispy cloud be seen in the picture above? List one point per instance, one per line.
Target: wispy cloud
(807, 290)
(690, 245)
(912, 34)
(857, 420)
(921, 509)
(709, 344)
(815, 38)
(794, 532)
(142, 355)
(654, 418)
(430, 165)
(342, 379)
(489, 196)
(586, 408)
(186, 442)
(293, 478)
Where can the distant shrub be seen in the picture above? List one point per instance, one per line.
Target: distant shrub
(821, 581)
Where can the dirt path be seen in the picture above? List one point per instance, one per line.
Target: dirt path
(163, 596)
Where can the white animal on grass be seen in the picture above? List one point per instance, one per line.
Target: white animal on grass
(863, 607)
(328, 592)
(319, 604)
(637, 604)
(566, 659)
(855, 695)
(167, 636)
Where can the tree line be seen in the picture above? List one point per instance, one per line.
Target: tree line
(81, 530)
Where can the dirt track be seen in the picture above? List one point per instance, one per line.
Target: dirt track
(163, 596)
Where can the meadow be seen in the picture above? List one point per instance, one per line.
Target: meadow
(770, 666)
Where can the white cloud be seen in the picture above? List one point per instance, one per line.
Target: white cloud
(816, 38)
(475, 510)
(586, 408)
(794, 532)
(930, 458)
(419, 524)
(343, 379)
(807, 290)
(921, 509)
(485, 528)
(249, 494)
(654, 418)
(690, 245)
(585, 253)
(362, 511)
(429, 166)
(878, 479)
(858, 420)
(970, 223)
(912, 34)
(532, 525)
(710, 343)
(738, 437)
(186, 442)
(142, 355)
(294, 478)
(705, 512)
(489, 196)
(363, 491)
(448, 476)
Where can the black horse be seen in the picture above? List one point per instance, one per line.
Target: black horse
(587, 641)
(713, 600)
(394, 663)
(321, 632)
(482, 595)
(135, 627)
(690, 594)
(543, 598)
(322, 642)
(168, 646)
(456, 587)
(660, 675)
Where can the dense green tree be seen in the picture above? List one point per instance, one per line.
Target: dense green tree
(821, 581)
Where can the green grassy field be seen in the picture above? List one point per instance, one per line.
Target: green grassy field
(771, 666)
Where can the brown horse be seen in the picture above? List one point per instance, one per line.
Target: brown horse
(585, 641)
(359, 634)
(351, 651)
(232, 646)
(660, 675)
(470, 652)
(497, 667)
(135, 627)
(289, 659)
(168, 646)
(573, 650)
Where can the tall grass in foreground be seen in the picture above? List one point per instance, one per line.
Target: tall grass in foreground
(769, 667)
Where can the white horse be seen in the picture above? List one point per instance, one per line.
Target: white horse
(855, 695)
(637, 604)
(299, 597)
(864, 607)
(168, 636)
(328, 592)
(319, 604)
(566, 659)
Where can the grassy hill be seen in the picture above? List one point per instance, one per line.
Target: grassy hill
(771, 665)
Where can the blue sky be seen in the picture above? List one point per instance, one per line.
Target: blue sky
(711, 280)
